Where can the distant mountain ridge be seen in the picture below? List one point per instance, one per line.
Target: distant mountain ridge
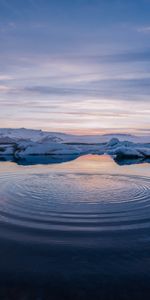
(11, 135)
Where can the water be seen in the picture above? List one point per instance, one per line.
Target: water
(75, 230)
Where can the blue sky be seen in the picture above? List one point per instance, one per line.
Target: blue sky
(75, 66)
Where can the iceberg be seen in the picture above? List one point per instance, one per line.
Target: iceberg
(128, 152)
(25, 142)
(45, 148)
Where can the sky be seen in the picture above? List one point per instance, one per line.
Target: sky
(79, 66)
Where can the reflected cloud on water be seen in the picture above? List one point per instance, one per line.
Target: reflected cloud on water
(39, 159)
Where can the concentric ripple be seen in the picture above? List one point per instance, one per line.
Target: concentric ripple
(42, 206)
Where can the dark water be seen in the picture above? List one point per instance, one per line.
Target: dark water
(76, 230)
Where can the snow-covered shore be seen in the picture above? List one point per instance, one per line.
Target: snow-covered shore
(9, 134)
(24, 142)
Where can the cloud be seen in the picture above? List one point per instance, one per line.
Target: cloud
(4, 88)
(4, 77)
(119, 57)
(143, 29)
(7, 27)
(125, 89)
(82, 59)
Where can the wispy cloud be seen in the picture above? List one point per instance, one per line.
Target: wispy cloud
(4, 88)
(4, 77)
(84, 63)
(144, 29)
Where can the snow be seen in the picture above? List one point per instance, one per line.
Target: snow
(145, 151)
(25, 142)
(39, 136)
(6, 149)
(36, 148)
(129, 152)
(127, 149)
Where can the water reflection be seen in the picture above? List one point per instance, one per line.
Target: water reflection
(31, 160)
(39, 159)
(123, 162)
(74, 226)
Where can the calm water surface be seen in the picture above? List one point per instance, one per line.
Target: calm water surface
(76, 230)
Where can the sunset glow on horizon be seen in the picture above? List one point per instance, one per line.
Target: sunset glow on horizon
(78, 67)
